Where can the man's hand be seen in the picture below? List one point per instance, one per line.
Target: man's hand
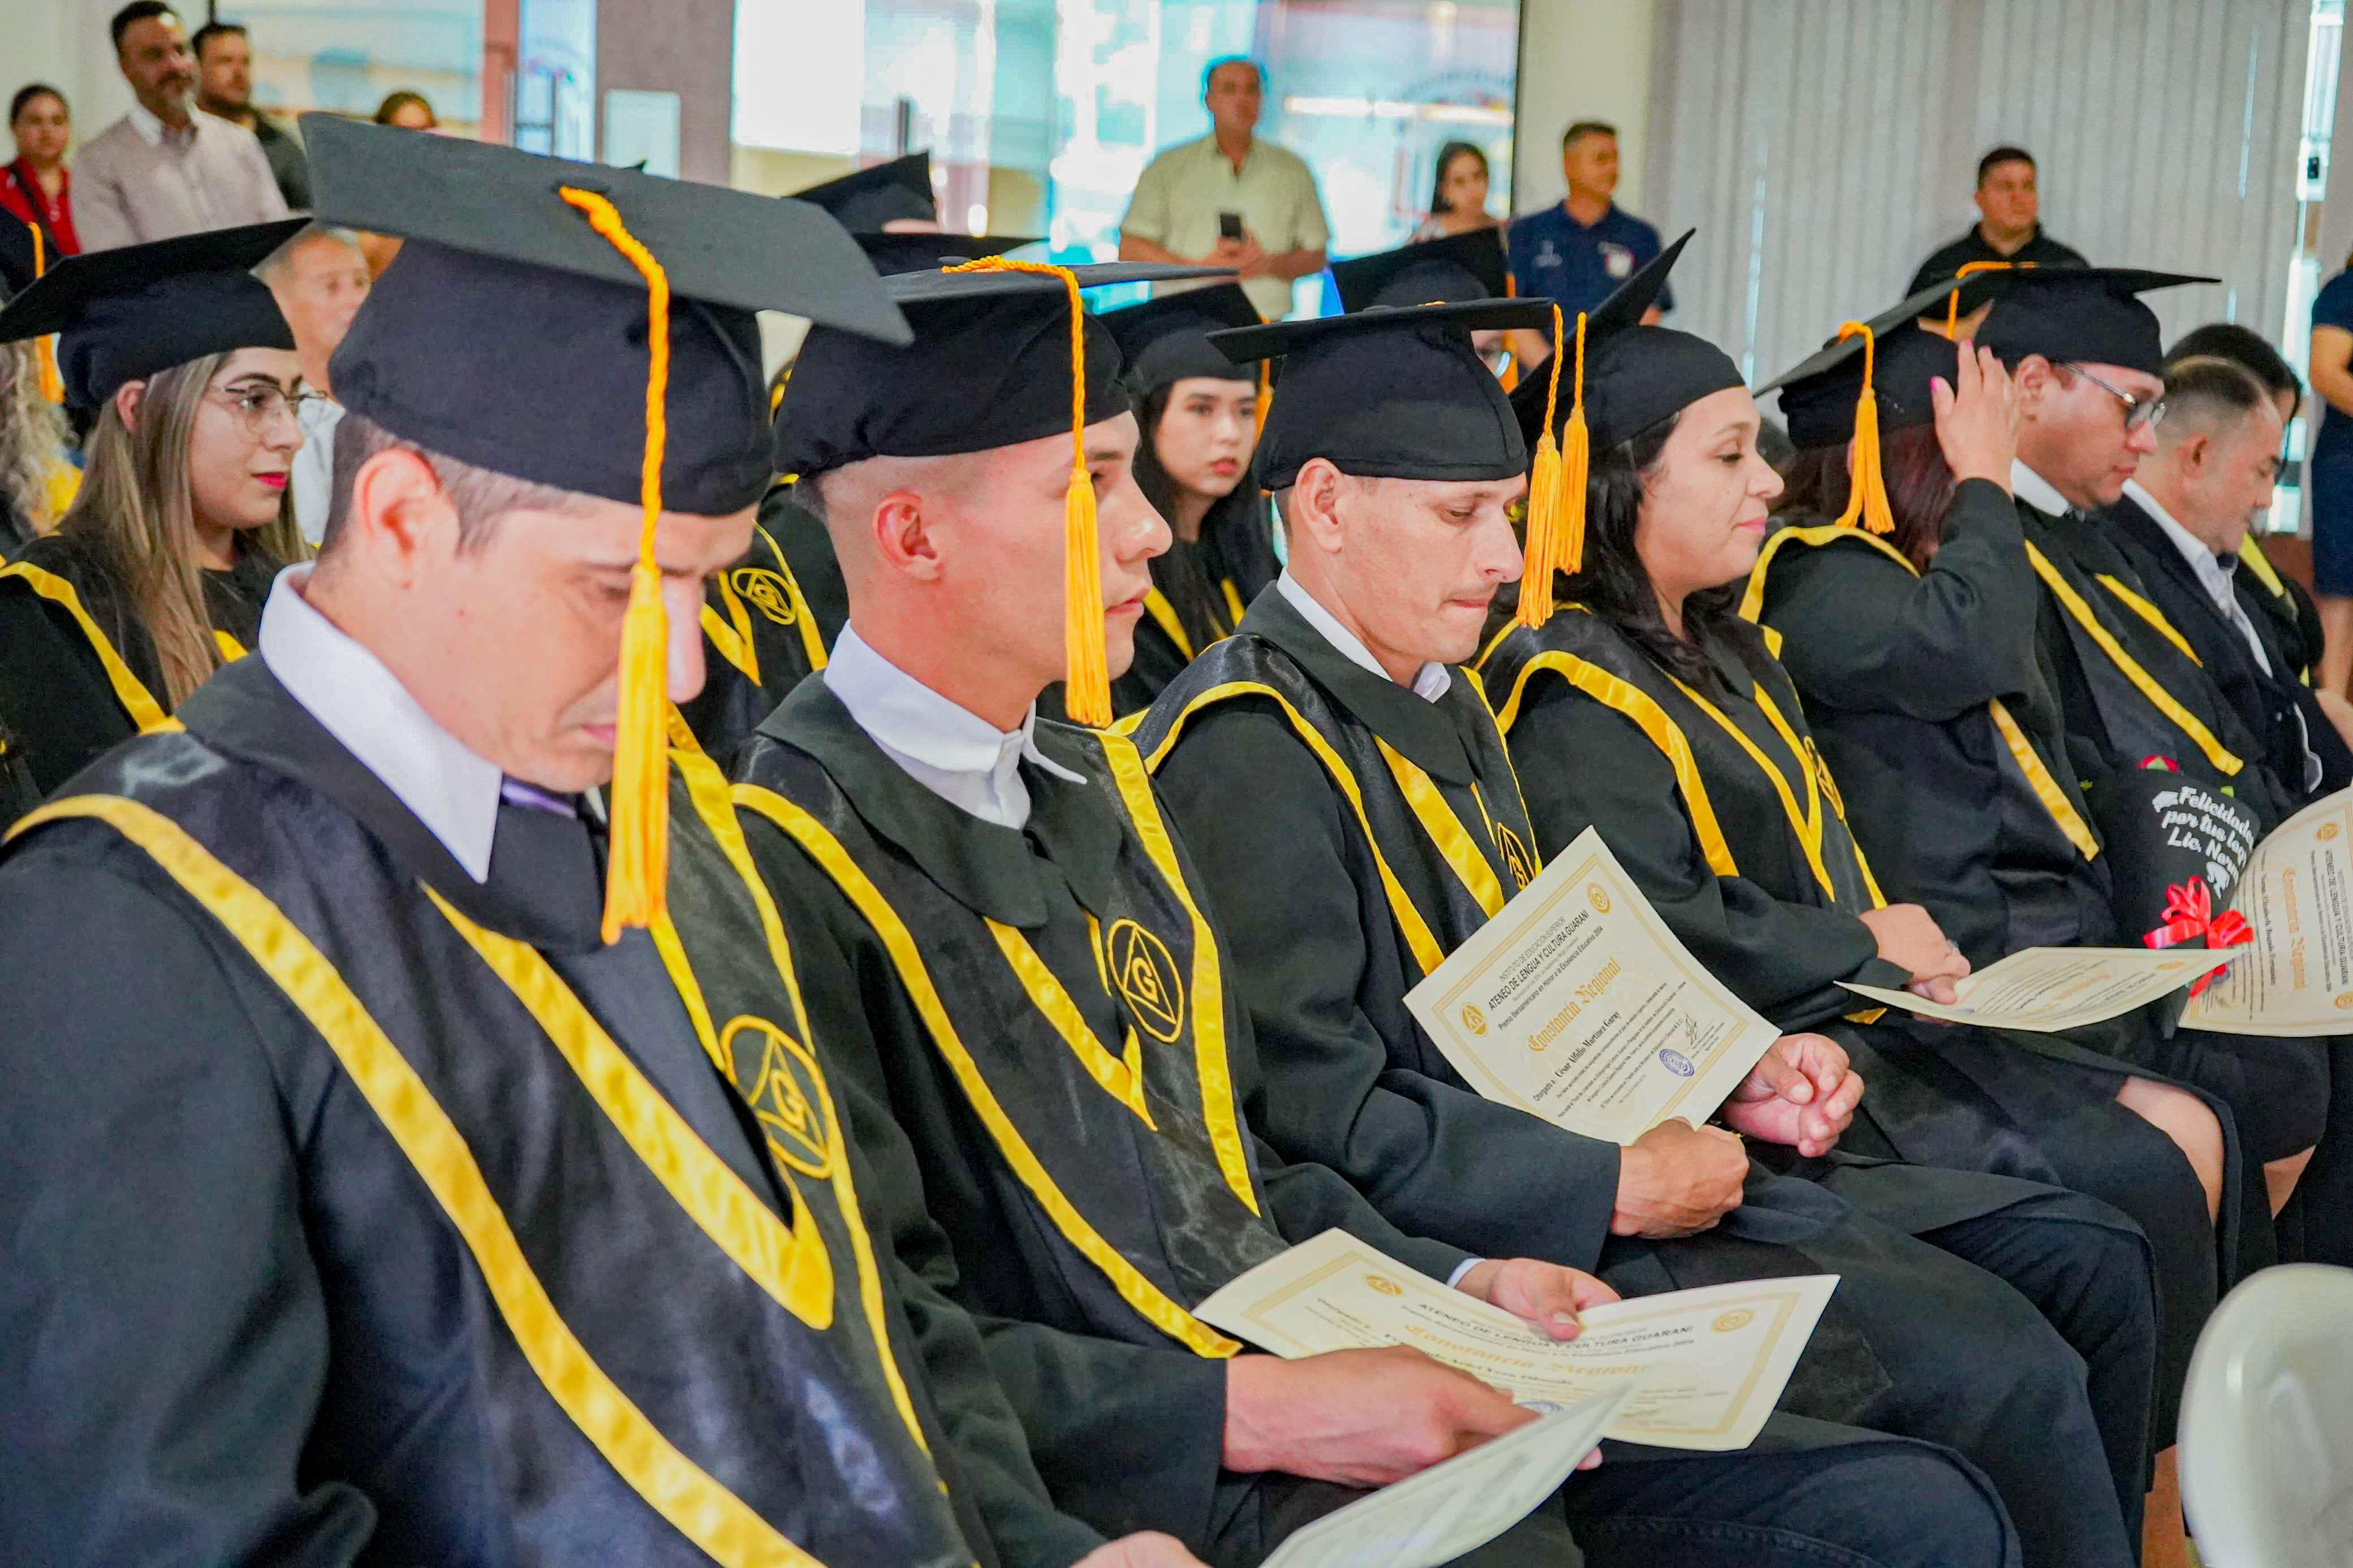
(1363, 1418)
(1226, 253)
(1147, 1549)
(1910, 938)
(1545, 1294)
(1803, 1094)
(1677, 1179)
(1250, 258)
(1977, 416)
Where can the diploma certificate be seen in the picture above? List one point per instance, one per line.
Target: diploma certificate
(1578, 1005)
(2042, 990)
(1455, 1506)
(2295, 978)
(1706, 1365)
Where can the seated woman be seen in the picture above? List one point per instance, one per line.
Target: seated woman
(1198, 411)
(1917, 655)
(1647, 710)
(158, 573)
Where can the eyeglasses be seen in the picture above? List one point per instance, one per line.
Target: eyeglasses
(260, 406)
(2139, 412)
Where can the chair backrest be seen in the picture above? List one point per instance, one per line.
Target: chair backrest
(2267, 1424)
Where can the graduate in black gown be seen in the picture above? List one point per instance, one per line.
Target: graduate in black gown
(379, 1190)
(1646, 708)
(1049, 1012)
(1344, 788)
(1975, 684)
(157, 575)
(1198, 413)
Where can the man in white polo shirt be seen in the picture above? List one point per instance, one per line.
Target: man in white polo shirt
(1230, 199)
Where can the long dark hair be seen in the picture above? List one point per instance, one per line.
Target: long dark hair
(1919, 488)
(1234, 540)
(1446, 156)
(1615, 586)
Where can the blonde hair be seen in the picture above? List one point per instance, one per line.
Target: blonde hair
(33, 437)
(137, 507)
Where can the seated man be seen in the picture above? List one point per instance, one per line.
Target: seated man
(1355, 817)
(1064, 1045)
(367, 1201)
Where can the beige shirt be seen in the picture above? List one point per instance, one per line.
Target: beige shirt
(138, 180)
(1184, 189)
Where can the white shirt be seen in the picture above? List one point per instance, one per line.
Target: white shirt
(450, 789)
(312, 479)
(1181, 192)
(1430, 682)
(2035, 490)
(138, 180)
(949, 750)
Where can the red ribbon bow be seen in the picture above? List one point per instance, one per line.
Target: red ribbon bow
(2189, 914)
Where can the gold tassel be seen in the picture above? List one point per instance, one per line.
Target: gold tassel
(1265, 399)
(44, 350)
(1953, 299)
(1555, 534)
(1086, 681)
(1866, 486)
(637, 871)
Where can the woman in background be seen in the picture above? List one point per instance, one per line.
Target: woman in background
(2331, 469)
(408, 110)
(36, 187)
(1458, 203)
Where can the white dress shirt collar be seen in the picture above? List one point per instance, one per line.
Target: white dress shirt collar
(2218, 578)
(154, 132)
(948, 749)
(2035, 490)
(1430, 682)
(450, 789)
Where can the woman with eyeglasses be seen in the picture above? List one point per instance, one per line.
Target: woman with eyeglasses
(158, 573)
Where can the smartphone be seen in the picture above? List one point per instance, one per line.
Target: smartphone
(1229, 226)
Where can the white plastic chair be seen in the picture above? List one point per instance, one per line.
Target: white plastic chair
(2267, 1424)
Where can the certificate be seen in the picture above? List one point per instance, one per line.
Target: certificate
(1705, 1366)
(2042, 990)
(1455, 1506)
(1578, 1005)
(2295, 978)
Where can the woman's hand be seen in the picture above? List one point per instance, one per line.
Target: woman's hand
(1976, 418)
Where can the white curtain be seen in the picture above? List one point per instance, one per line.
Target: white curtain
(1822, 148)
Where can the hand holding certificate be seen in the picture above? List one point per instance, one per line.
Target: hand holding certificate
(2295, 978)
(2043, 990)
(1706, 1366)
(1578, 1005)
(1455, 1506)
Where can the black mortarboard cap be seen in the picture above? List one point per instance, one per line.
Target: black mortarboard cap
(18, 268)
(897, 192)
(2088, 314)
(511, 334)
(1819, 394)
(1395, 392)
(1166, 339)
(1635, 376)
(122, 315)
(990, 367)
(1455, 270)
(926, 252)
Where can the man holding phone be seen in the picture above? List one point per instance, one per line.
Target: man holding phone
(1229, 198)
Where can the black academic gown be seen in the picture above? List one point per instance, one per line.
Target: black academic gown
(768, 622)
(363, 1213)
(2274, 705)
(1349, 872)
(1746, 852)
(1069, 1112)
(77, 670)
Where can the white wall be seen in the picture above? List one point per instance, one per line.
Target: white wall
(1581, 59)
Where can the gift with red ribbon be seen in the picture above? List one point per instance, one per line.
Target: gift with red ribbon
(2190, 917)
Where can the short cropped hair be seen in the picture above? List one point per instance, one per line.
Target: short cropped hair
(1568, 138)
(2000, 155)
(1209, 71)
(480, 497)
(211, 30)
(275, 264)
(2243, 346)
(2205, 392)
(137, 11)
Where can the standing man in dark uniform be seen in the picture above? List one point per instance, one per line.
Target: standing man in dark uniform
(2009, 227)
(1576, 253)
(372, 1198)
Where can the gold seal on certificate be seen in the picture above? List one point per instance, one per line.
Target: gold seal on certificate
(1576, 1003)
(1706, 1365)
(2296, 977)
